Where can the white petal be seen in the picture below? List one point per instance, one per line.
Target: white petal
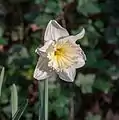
(54, 31)
(81, 60)
(74, 38)
(40, 75)
(44, 49)
(80, 63)
(68, 74)
(42, 71)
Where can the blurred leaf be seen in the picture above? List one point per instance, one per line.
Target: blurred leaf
(86, 89)
(95, 60)
(93, 117)
(31, 16)
(82, 2)
(14, 36)
(85, 41)
(110, 35)
(18, 55)
(112, 40)
(3, 10)
(21, 32)
(113, 72)
(89, 8)
(90, 29)
(52, 7)
(116, 52)
(3, 41)
(7, 110)
(102, 85)
(1, 79)
(102, 64)
(42, 21)
(1, 31)
(4, 96)
(85, 82)
(39, 1)
(117, 31)
(93, 56)
(14, 99)
(28, 74)
(60, 106)
(20, 111)
(92, 36)
(99, 24)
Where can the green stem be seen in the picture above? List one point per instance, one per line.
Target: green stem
(40, 88)
(46, 99)
(43, 98)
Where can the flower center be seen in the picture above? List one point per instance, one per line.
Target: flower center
(58, 52)
(63, 55)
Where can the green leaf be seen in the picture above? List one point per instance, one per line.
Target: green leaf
(84, 79)
(2, 41)
(60, 106)
(20, 111)
(92, 117)
(102, 85)
(39, 1)
(102, 64)
(18, 55)
(86, 89)
(1, 31)
(42, 21)
(99, 24)
(82, 2)
(31, 16)
(53, 7)
(85, 41)
(93, 57)
(14, 99)
(4, 96)
(1, 79)
(85, 82)
(95, 60)
(89, 8)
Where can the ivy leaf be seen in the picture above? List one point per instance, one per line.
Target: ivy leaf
(52, 7)
(60, 106)
(102, 85)
(41, 19)
(1, 31)
(18, 54)
(39, 1)
(82, 2)
(85, 82)
(89, 8)
(3, 41)
(86, 89)
(92, 117)
(31, 16)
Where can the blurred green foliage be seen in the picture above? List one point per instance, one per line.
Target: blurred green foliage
(96, 88)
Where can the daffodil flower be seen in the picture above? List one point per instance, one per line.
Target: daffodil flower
(59, 54)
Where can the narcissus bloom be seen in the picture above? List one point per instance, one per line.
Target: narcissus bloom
(59, 54)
